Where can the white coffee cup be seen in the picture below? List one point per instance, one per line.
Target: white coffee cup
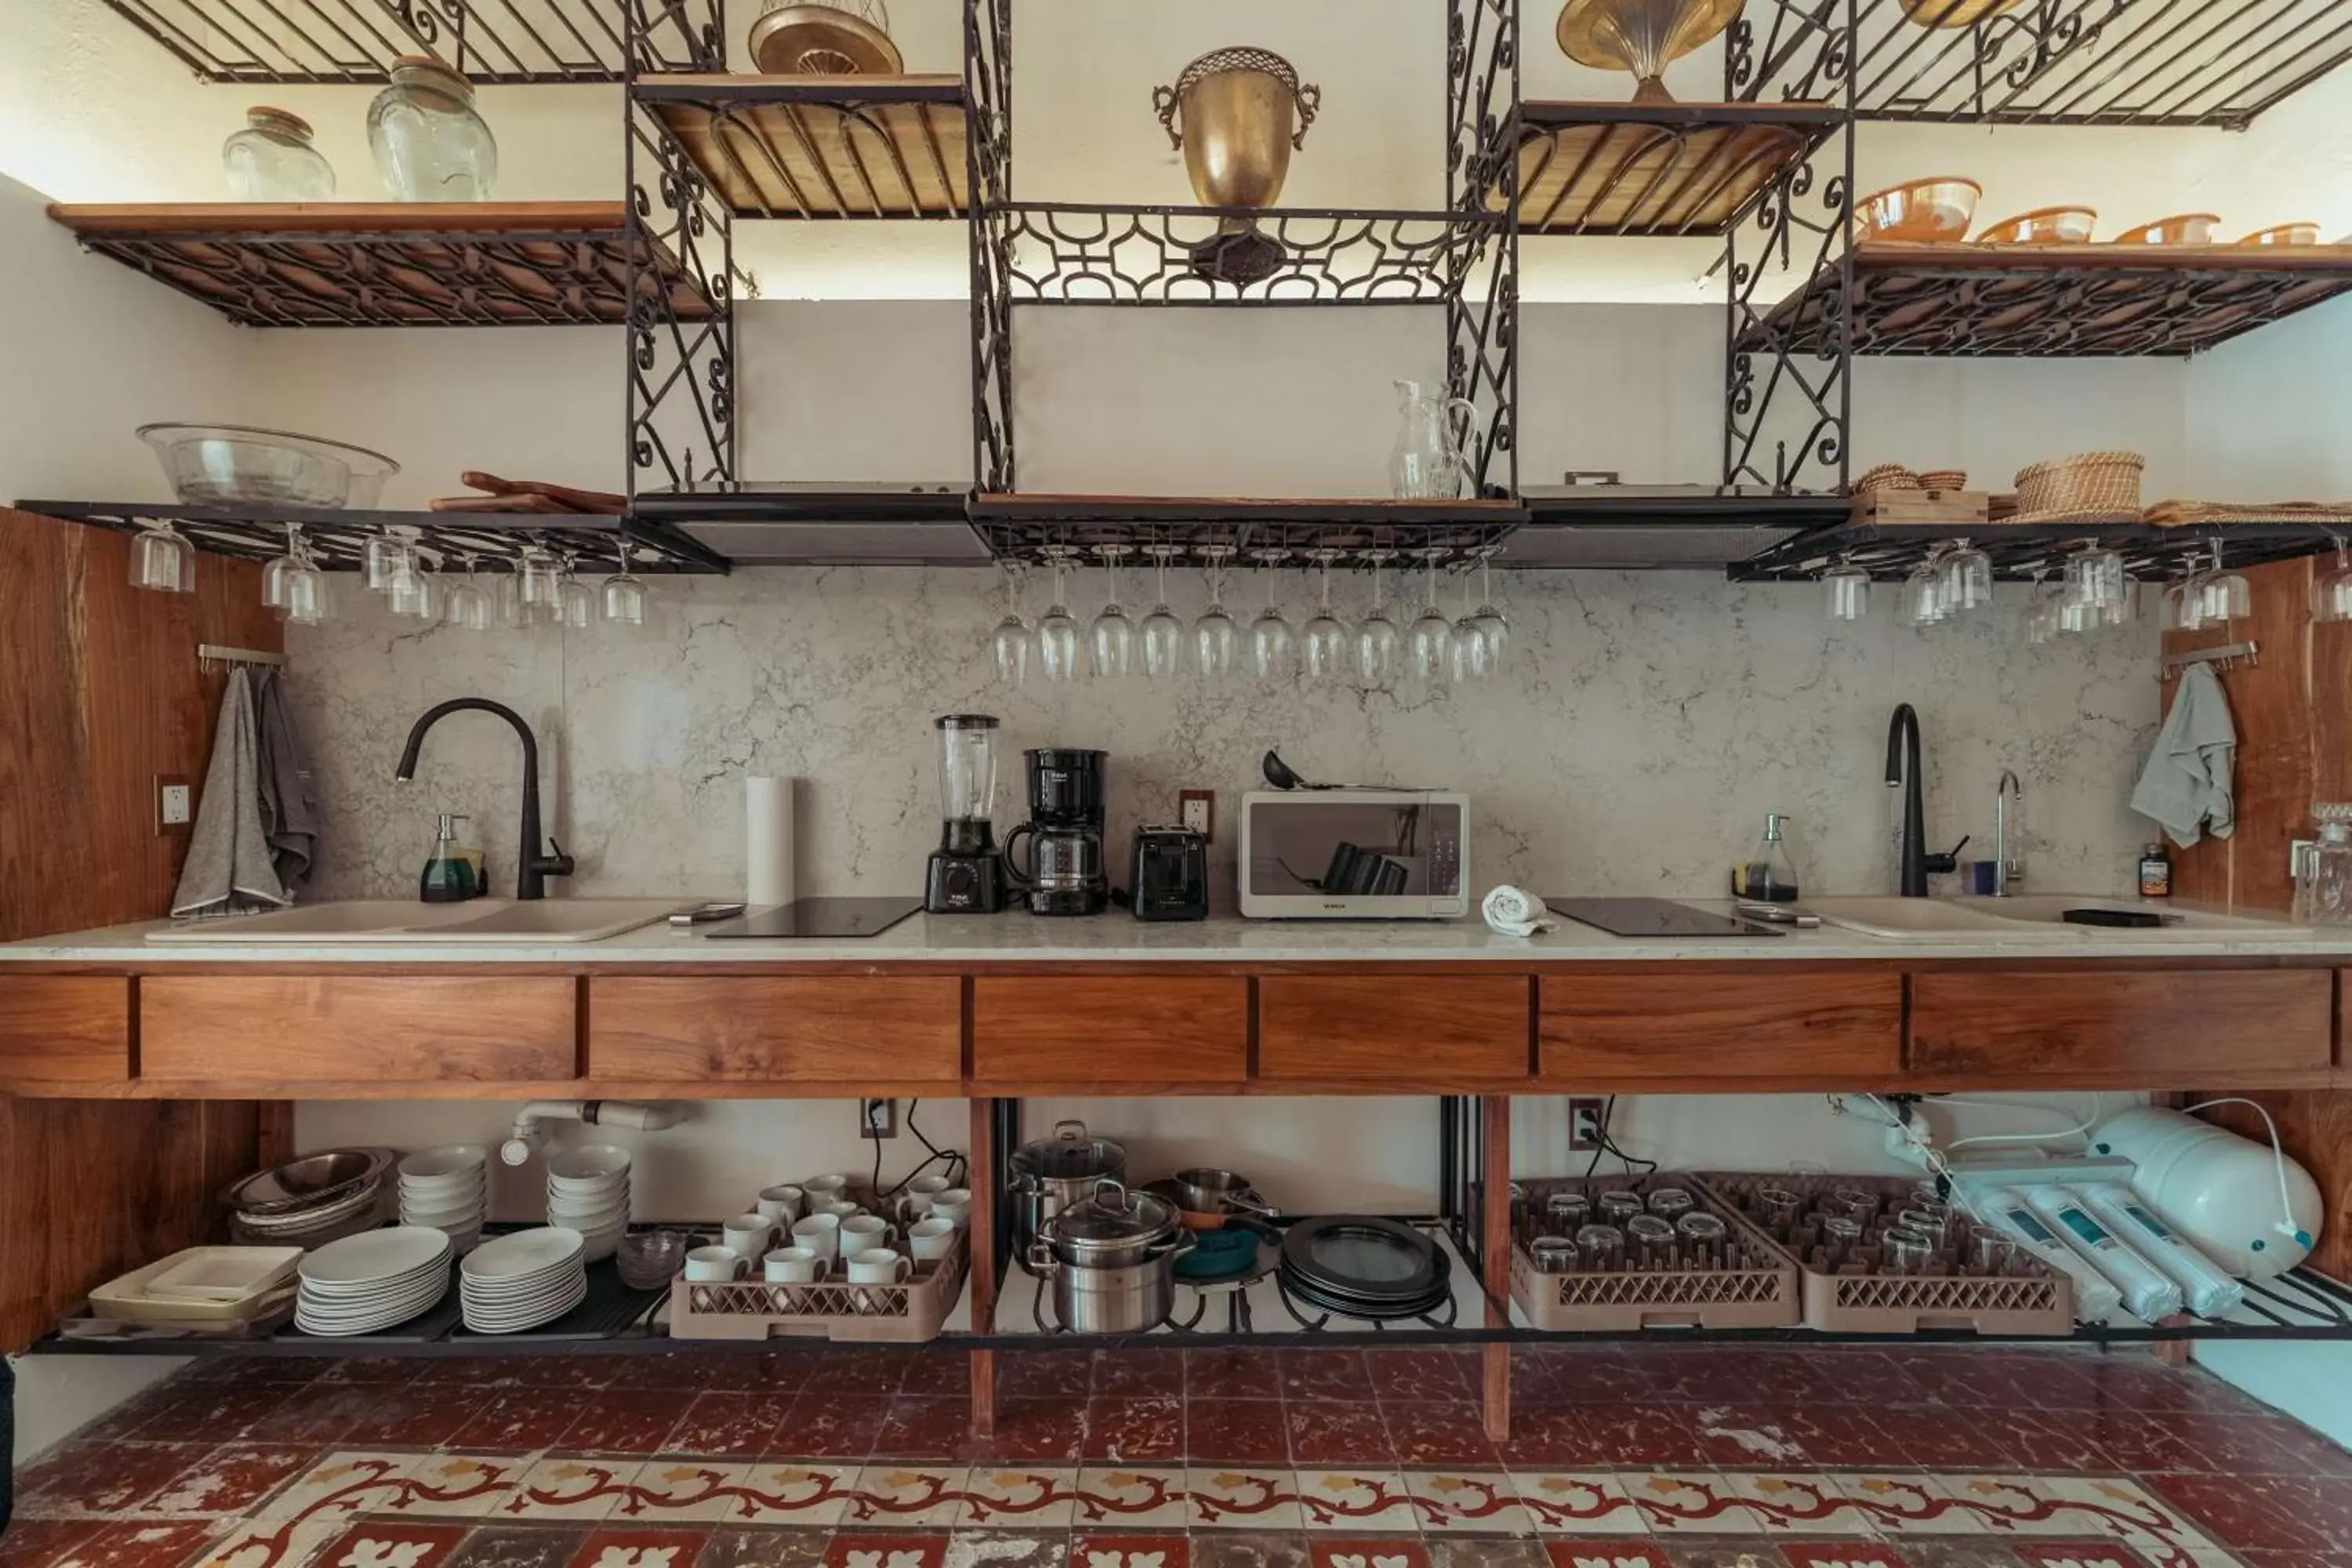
(839, 1208)
(955, 1204)
(864, 1233)
(825, 1189)
(795, 1266)
(781, 1205)
(879, 1265)
(820, 1233)
(916, 1202)
(747, 1235)
(713, 1265)
(932, 1238)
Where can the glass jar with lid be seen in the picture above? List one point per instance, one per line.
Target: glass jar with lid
(429, 145)
(2323, 884)
(271, 160)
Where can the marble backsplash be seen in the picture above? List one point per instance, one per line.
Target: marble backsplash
(1641, 729)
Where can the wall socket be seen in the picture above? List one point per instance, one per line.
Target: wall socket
(1197, 809)
(877, 1118)
(175, 804)
(1584, 1125)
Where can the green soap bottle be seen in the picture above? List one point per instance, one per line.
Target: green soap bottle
(449, 875)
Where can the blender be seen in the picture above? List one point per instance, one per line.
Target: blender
(965, 875)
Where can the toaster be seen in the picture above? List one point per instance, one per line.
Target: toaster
(1171, 875)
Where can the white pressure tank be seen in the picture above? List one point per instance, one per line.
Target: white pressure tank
(2219, 1190)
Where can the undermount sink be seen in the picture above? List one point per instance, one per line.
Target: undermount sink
(360, 921)
(2038, 917)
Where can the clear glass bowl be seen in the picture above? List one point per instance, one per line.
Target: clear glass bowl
(648, 1259)
(235, 465)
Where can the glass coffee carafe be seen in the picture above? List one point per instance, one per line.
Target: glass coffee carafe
(1428, 462)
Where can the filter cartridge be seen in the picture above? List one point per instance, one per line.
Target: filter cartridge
(2146, 1294)
(2209, 1293)
(2095, 1299)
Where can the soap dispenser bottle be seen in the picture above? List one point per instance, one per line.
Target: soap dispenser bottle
(1768, 876)
(451, 874)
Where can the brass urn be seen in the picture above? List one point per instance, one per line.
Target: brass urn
(1237, 114)
(1643, 37)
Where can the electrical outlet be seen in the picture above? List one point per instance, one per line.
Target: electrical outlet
(175, 803)
(877, 1118)
(1197, 809)
(1584, 1126)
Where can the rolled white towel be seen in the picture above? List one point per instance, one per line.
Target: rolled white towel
(1515, 912)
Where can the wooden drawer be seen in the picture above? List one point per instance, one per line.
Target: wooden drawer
(776, 1029)
(2152, 1024)
(1697, 1025)
(1402, 1029)
(1074, 1029)
(64, 1028)
(357, 1029)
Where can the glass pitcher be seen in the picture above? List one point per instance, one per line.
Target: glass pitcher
(2323, 891)
(1428, 463)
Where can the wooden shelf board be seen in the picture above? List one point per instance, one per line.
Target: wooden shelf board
(822, 147)
(1662, 170)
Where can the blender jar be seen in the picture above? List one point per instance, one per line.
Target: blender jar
(967, 780)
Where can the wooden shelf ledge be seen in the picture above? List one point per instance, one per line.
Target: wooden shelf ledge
(1656, 169)
(822, 147)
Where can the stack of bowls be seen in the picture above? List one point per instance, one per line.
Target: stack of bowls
(364, 1283)
(310, 1201)
(524, 1280)
(588, 1191)
(446, 1190)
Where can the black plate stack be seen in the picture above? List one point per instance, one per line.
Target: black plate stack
(1358, 1267)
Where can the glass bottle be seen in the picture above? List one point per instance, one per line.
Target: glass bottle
(1770, 876)
(2322, 886)
(429, 145)
(271, 160)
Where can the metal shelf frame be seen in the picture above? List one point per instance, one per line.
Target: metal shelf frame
(354, 42)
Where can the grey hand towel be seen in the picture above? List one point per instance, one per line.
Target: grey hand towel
(2188, 785)
(289, 815)
(229, 870)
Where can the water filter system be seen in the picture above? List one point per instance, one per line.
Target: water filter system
(2206, 1291)
(2145, 1293)
(2095, 1299)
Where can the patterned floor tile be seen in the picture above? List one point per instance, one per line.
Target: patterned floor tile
(1602, 1554)
(1130, 1497)
(1909, 1506)
(895, 1493)
(232, 1478)
(1247, 1548)
(1092, 1548)
(585, 1489)
(761, 1548)
(1008, 1548)
(2246, 1511)
(523, 1546)
(1800, 1505)
(1840, 1554)
(102, 1479)
(1019, 1497)
(1440, 1434)
(146, 1543)
(1243, 1497)
(341, 1485)
(1357, 1499)
(683, 1491)
(1136, 1429)
(459, 1486)
(269, 1543)
(1467, 1502)
(1588, 1505)
(1370, 1552)
(1689, 1501)
(814, 1496)
(611, 1547)
(392, 1543)
(859, 1548)
(1485, 1552)
(2124, 1510)
(2077, 1555)
(2019, 1505)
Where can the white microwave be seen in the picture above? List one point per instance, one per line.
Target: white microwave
(1355, 854)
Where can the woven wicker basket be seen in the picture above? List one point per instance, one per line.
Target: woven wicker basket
(1886, 476)
(2085, 483)
(1944, 480)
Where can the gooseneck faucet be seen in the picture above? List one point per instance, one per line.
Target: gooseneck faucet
(1903, 768)
(2004, 870)
(531, 868)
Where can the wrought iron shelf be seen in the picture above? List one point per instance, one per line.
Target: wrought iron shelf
(1027, 527)
(355, 41)
(336, 536)
(2051, 302)
(819, 146)
(1657, 170)
(825, 525)
(1631, 528)
(407, 264)
(2020, 552)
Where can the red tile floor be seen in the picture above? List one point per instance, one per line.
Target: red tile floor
(1621, 1457)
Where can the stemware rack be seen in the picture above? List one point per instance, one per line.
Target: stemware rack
(2025, 553)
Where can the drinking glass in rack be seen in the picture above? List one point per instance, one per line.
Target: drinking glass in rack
(1008, 642)
(623, 596)
(1378, 645)
(2331, 592)
(465, 602)
(1327, 635)
(1112, 637)
(1163, 630)
(1429, 641)
(1057, 629)
(1488, 621)
(1274, 648)
(1847, 589)
(302, 588)
(1965, 580)
(162, 560)
(1472, 658)
(1922, 601)
(1216, 640)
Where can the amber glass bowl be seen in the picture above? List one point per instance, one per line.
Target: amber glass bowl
(2042, 226)
(1940, 208)
(2182, 228)
(2305, 233)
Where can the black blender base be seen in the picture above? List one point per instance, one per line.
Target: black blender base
(963, 885)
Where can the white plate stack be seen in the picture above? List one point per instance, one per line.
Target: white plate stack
(448, 1190)
(588, 1191)
(372, 1280)
(523, 1281)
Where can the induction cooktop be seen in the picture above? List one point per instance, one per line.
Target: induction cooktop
(819, 918)
(1654, 917)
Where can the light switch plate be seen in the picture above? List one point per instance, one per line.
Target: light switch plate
(175, 804)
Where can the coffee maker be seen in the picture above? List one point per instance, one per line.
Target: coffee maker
(966, 876)
(1065, 874)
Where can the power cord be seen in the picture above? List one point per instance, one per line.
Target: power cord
(959, 1167)
(1602, 1143)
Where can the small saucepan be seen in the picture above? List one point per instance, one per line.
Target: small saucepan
(1205, 1190)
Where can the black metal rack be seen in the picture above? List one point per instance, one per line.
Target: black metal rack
(2025, 553)
(355, 41)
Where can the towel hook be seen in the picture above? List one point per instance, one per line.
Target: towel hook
(215, 659)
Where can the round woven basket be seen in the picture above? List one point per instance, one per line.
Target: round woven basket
(2084, 483)
(1944, 480)
(1886, 476)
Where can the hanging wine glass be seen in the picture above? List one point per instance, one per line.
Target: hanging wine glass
(273, 572)
(1922, 601)
(1848, 591)
(540, 585)
(383, 556)
(1430, 640)
(507, 609)
(412, 592)
(2331, 593)
(1492, 626)
(1163, 630)
(162, 560)
(623, 593)
(1326, 634)
(1470, 653)
(2044, 611)
(466, 603)
(1379, 646)
(575, 604)
(303, 587)
(1274, 648)
(1008, 645)
(1216, 640)
(1057, 629)
(2226, 594)
(1112, 637)
(1965, 580)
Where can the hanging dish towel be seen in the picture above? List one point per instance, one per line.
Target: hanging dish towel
(2188, 785)
(1514, 911)
(287, 808)
(229, 870)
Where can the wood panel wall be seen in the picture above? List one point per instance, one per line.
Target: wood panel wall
(99, 693)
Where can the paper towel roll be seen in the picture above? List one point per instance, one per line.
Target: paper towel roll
(767, 840)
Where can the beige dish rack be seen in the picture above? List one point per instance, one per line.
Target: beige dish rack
(908, 1313)
(1760, 1293)
(2031, 1299)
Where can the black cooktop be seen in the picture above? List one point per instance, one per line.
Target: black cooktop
(819, 918)
(1654, 917)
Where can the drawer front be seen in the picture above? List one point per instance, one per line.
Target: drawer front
(64, 1028)
(2018, 1023)
(357, 1029)
(1719, 1024)
(1125, 1029)
(1370, 1028)
(782, 1029)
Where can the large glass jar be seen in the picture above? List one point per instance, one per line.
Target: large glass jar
(429, 145)
(271, 160)
(2323, 889)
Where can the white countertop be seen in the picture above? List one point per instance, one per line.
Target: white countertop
(963, 940)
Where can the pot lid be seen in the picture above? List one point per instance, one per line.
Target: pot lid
(1116, 1216)
(1070, 1154)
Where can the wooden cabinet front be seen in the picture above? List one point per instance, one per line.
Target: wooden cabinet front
(1393, 1029)
(2149, 1027)
(64, 1028)
(1080, 1030)
(1688, 1022)
(845, 1029)
(293, 1029)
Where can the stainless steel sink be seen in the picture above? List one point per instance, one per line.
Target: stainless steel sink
(479, 920)
(2036, 918)
(1928, 919)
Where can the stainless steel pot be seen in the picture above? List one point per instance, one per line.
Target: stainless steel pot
(1204, 1189)
(1051, 1174)
(1112, 1260)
